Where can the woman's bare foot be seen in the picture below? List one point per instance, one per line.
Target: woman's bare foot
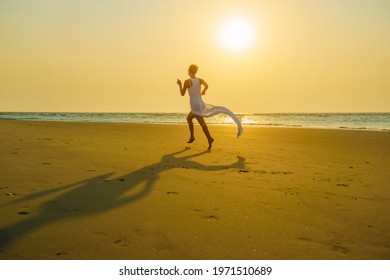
(210, 143)
(192, 139)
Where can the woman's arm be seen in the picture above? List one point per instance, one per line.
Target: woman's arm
(181, 87)
(206, 86)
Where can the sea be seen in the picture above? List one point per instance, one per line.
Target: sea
(350, 121)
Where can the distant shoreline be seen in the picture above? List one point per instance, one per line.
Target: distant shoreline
(344, 121)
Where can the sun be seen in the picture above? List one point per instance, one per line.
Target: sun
(237, 34)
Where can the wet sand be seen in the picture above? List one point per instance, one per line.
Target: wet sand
(128, 191)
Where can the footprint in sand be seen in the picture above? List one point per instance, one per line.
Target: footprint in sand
(156, 239)
(333, 245)
(339, 248)
(173, 193)
(200, 213)
(121, 242)
(280, 172)
(243, 171)
(210, 217)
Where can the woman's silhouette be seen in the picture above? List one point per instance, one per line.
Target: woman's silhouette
(199, 109)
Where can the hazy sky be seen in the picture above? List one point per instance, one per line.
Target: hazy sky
(125, 56)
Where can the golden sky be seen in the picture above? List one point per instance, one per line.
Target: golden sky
(125, 56)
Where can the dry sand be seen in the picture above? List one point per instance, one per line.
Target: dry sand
(127, 191)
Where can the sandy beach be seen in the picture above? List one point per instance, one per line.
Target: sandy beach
(129, 191)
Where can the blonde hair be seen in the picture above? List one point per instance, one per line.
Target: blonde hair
(193, 68)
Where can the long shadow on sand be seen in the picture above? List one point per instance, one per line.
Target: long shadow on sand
(99, 194)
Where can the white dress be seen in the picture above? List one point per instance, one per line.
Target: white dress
(199, 108)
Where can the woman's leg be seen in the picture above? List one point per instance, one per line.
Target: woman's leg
(205, 130)
(190, 117)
